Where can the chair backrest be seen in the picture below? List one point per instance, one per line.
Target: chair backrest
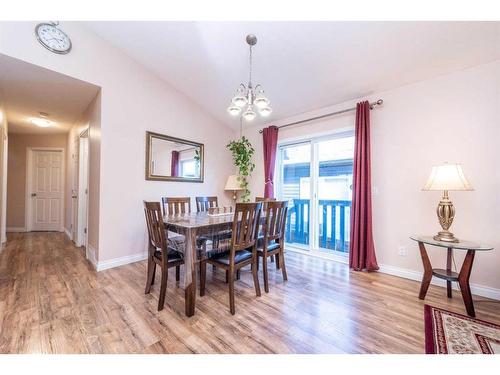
(264, 201)
(176, 205)
(156, 229)
(204, 203)
(275, 224)
(245, 226)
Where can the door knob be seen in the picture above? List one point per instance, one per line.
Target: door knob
(33, 194)
(74, 196)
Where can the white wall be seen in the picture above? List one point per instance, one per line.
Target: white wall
(454, 118)
(132, 101)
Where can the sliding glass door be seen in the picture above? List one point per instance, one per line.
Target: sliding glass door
(315, 176)
(295, 187)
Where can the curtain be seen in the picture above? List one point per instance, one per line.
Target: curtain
(270, 141)
(362, 249)
(174, 166)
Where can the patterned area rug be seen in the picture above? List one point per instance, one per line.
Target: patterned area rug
(451, 333)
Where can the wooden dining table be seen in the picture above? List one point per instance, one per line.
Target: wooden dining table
(193, 226)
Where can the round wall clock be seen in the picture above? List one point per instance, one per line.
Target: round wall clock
(52, 38)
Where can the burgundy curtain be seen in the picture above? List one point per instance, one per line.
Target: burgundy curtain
(174, 166)
(362, 249)
(270, 138)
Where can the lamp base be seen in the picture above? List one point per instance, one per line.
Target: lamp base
(445, 236)
(445, 213)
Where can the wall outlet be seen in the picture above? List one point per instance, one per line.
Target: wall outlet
(402, 251)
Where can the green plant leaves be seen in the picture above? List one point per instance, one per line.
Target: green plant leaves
(243, 151)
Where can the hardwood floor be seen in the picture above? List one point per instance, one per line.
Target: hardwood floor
(51, 301)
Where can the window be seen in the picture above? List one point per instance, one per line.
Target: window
(188, 168)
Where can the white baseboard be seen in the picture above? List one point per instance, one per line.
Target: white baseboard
(16, 229)
(117, 262)
(68, 233)
(479, 290)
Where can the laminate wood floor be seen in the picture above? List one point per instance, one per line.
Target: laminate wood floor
(52, 301)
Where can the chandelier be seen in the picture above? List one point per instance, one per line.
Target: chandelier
(250, 99)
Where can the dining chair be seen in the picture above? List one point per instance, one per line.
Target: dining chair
(204, 203)
(264, 208)
(176, 205)
(238, 251)
(272, 242)
(159, 252)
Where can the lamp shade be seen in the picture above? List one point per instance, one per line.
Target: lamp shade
(232, 183)
(447, 177)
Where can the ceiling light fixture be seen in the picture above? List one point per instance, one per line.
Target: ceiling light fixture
(41, 122)
(248, 95)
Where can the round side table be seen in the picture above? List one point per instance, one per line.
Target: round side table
(447, 274)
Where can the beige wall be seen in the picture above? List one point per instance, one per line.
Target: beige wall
(454, 118)
(16, 171)
(133, 100)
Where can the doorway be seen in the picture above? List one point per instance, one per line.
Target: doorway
(315, 177)
(45, 189)
(81, 216)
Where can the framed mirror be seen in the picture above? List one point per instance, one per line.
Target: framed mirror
(173, 159)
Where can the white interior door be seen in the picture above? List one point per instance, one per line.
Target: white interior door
(46, 190)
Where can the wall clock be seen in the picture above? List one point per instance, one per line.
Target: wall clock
(53, 38)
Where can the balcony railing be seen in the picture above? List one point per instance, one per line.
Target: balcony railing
(334, 223)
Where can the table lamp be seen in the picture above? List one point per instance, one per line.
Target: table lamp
(233, 184)
(446, 177)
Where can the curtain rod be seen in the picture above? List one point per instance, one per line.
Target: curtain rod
(372, 105)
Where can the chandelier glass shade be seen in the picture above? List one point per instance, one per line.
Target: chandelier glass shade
(249, 99)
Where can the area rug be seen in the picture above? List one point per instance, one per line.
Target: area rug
(447, 332)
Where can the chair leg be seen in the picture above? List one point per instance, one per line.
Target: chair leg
(203, 277)
(282, 264)
(231, 292)
(177, 273)
(238, 274)
(154, 274)
(255, 264)
(214, 268)
(163, 288)
(266, 275)
(151, 275)
(258, 262)
(277, 261)
(227, 276)
(272, 258)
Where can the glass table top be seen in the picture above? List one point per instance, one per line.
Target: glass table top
(461, 245)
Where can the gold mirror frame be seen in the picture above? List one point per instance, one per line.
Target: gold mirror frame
(153, 177)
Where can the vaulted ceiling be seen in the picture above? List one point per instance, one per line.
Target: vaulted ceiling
(301, 65)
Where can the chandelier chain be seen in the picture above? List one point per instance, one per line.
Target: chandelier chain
(250, 70)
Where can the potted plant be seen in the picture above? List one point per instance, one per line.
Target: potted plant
(243, 151)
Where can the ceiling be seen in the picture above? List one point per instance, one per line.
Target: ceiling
(301, 65)
(29, 89)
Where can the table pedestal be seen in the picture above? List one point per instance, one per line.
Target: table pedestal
(462, 278)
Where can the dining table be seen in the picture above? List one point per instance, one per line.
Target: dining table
(195, 226)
